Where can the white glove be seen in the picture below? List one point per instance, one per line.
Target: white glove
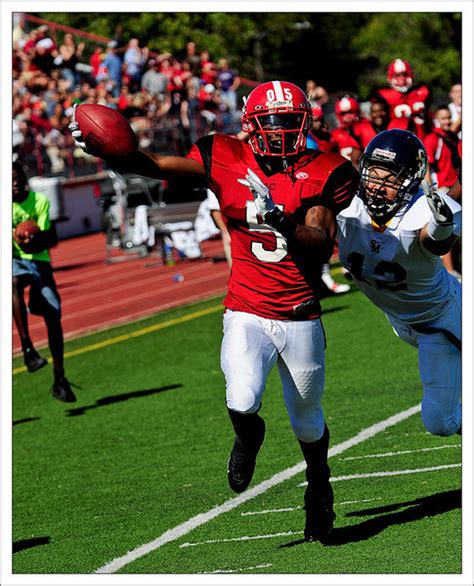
(260, 192)
(76, 133)
(442, 213)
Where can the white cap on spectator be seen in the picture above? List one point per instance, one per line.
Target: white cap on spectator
(46, 43)
(112, 44)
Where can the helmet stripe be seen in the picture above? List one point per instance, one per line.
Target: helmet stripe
(278, 91)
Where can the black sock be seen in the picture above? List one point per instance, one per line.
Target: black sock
(26, 345)
(58, 373)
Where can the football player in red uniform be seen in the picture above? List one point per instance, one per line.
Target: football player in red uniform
(364, 130)
(347, 110)
(280, 201)
(409, 103)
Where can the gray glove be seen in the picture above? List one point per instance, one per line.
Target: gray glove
(260, 192)
(442, 214)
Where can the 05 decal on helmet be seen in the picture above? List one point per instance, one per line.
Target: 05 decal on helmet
(277, 116)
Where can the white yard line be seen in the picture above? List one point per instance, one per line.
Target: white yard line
(186, 527)
(259, 567)
(387, 454)
(241, 538)
(267, 511)
(390, 473)
(289, 509)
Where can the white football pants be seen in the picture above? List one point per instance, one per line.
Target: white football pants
(439, 363)
(250, 348)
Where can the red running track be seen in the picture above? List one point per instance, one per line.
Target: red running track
(96, 295)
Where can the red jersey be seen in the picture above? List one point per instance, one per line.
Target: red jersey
(270, 277)
(440, 150)
(345, 141)
(364, 132)
(409, 110)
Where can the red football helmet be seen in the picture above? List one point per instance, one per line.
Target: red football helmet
(400, 75)
(347, 110)
(317, 112)
(277, 117)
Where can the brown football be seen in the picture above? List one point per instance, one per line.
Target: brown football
(105, 131)
(28, 227)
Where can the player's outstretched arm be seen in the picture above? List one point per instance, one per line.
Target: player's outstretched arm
(143, 162)
(167, 167)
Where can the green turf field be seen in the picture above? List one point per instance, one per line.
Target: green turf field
(145, 448)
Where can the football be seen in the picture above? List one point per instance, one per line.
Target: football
(27, 229)
(105, 131)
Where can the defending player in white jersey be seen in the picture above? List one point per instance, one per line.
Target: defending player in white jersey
(391, 238)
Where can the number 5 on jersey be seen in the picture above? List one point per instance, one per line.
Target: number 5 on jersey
(281, 247)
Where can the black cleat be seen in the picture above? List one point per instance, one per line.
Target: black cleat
(243, 457)
(33, 361)
(319, 514)
(62, 390)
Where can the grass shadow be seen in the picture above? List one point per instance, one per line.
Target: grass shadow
(22, 544)
(25, 420)
(427, 506)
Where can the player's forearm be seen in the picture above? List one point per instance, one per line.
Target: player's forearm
(157, 166)
(315, 239)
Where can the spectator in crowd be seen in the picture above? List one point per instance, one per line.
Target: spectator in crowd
(44, 50)
(194, 62)
(455, 107)
(95, 61)
(120, 43)
(68, 58)
(112, 68)
(134, 61)
(19, 33)
(227, 81)
(32, 269)
(154, 81)
(208, 69)
(316, 94)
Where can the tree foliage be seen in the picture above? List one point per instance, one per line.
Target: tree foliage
(429, 41)
(343, 51)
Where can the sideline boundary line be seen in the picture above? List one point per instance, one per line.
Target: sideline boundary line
(203, 518)
(135, 334)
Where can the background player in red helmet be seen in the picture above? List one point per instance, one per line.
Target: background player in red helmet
(347, 110)
(409, 103)
(280, 201)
